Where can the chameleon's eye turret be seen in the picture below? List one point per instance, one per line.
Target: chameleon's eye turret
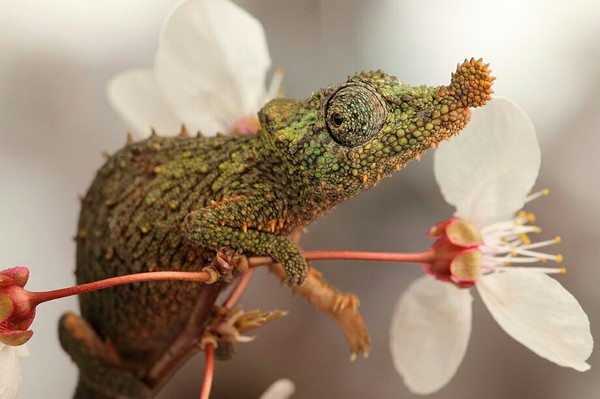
(354, 114)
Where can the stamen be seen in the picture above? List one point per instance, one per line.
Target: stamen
(524, 239)
(507, 225)
(514, 259)
(515, 231)
(542, 244)
(547, 270)
(274, 89)
(542, 193)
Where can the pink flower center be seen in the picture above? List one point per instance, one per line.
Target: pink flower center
(457, 257)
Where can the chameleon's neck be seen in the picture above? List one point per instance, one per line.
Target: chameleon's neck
(307, 197)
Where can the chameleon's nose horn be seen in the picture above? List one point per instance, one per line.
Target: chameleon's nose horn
(471, 84)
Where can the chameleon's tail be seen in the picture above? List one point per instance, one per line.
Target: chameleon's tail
(99, 377)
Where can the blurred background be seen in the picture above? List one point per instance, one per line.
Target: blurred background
(57, 56)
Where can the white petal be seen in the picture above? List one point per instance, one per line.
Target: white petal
(537, 311)
(22, 350)
(211, 63)
(429, 334)
(487, 171)
(135, 95)
(280, 389)
(10, 372)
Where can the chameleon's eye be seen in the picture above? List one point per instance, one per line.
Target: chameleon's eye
(354, 115)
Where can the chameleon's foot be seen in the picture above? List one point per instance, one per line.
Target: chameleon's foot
(226, 264)
(100, 376)
(295, 277)
(293, 262)
(227, 260)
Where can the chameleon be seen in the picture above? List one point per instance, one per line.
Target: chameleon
(170, 203)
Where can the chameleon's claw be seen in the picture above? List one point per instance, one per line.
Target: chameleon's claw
(227, 260)
(225, 263)
(344, 300)
(296, 278)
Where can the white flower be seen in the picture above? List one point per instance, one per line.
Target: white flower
(280, 389)
(10, 370)
(209, 73)
(486, 173)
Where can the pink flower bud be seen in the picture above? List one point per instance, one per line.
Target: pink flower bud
(17, 309)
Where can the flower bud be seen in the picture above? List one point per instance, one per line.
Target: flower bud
(456, 255)
(17, 310)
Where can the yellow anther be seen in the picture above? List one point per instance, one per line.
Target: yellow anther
(562, 270)
(543, 259)
(559, 258)
(545, 192)
(557, 240)
(507, 264)
(525, 238)
(537, 229)
(522, 214)
(531, 218)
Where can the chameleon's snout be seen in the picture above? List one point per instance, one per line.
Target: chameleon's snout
(471, 84)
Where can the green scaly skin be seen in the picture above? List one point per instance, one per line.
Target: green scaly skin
(168, 203)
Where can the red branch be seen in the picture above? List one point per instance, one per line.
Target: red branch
(209, 371)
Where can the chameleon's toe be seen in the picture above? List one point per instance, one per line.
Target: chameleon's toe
(296, 275)
(227, 260)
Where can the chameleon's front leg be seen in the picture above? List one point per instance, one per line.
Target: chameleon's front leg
(247, 224)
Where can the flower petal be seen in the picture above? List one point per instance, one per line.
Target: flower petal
(15, 338)
(280, 389)
(537, 311)
(430, 330)
(487, 171)
(10, 372)
(135, 96)
(211, 63)
(20, 274)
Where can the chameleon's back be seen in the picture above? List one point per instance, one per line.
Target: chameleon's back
(130, 222)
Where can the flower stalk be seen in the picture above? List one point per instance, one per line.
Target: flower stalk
(39, 297)
(209, 371)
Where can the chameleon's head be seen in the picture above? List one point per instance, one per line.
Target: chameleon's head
(347, 137)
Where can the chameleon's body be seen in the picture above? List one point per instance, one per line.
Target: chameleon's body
(168, 203)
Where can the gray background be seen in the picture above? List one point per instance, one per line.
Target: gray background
(57, 56)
